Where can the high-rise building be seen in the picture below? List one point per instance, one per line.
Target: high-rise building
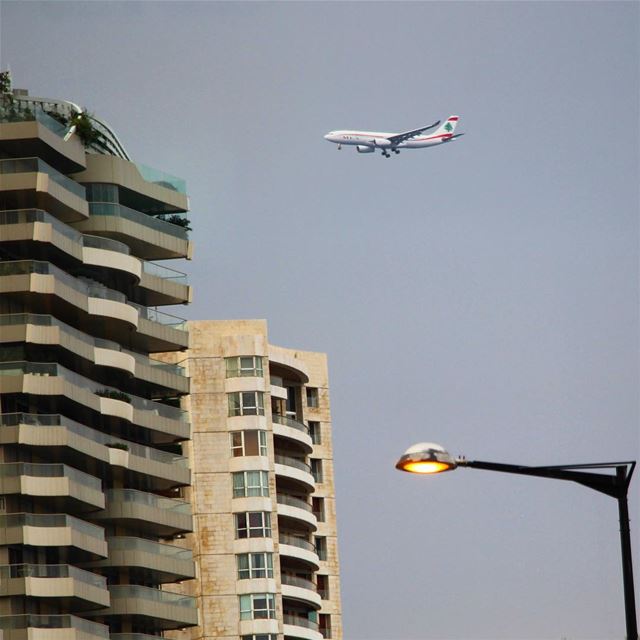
(91, 468)
(262, 493)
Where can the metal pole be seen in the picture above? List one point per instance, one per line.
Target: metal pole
(627, 566)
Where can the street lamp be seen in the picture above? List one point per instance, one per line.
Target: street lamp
(427, 457)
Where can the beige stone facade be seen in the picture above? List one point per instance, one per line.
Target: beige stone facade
(263, 496)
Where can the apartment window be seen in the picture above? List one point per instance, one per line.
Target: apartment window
(244, 366)
(312, 397)
(253, 524)
(324, 624)
(323, 586)
(248, 443)
(317, 506)
(261, 636)
(246, 403)
(248, 484)
(314, 432)
(321, 547)
(257, 606)
(255, 565)
(316, 469)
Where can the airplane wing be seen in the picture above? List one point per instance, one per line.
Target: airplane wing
(401, 137)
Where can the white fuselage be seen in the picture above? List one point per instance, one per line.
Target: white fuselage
(377, 139)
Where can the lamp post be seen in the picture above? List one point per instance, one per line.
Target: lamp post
(427, 457)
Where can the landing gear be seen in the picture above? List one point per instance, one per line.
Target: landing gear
(396, 152)
(386, 154)
(339, 147)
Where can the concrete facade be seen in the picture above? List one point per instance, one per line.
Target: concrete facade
(92, 476)
(263, 496)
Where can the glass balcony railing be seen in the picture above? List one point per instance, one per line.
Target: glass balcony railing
(161, 178)
(98, 242)
(133, 636)
(160, 271)
(53, 369)
(299, 621)
(148, 499)
(129, 543)
(11, 520)
(119, 211)
(128, 591)
(292, 501)
(295, 581)
(27, 216)
(21, 111)
(166, 319)
(44, 320)
(293, 462)
(40, 621)
(44, 470)
(32, 165)
(52, 571)
(56, 420)
(92, 290)
(295, 541)
(290, 422)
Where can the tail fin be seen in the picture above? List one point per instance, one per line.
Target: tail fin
(448, 127)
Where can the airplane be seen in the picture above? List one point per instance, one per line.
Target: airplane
(369, 141)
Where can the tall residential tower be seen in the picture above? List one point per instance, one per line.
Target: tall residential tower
(263, 494)
(91, 470)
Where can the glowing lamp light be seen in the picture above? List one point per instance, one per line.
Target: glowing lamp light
(426, 457)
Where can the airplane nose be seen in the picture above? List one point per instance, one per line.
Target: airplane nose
(327, 137)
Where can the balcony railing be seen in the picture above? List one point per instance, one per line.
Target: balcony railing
(299, 621)
(55, 470)
(71, 377)
(32, 165)
(27, 216)
(119, 211)
(128, 543)
(290, 422)
(166, 273)
(38, 621)
(52, 571)
(98, 242)
(11, 520)
(292, 462)
(21, 111)
(296, 581)
(155, 595)
(147, 499)
(295, 541)
(162, 178)
(292, 501)
(57, 420)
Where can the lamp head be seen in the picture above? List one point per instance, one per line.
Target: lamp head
(426, 457)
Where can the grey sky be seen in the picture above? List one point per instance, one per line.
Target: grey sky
(483, 294)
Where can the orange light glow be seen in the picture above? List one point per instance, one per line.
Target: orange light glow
(426, 467)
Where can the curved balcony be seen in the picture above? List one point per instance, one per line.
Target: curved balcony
(162, 609)
(297, 509)
(148, 237)
(33, 182)
(147, 512)
(32, 132)
(160, 285)
(31, 626)
(286, 362)
(50, 379)
(296, 470)
(76, 443)
(46, 329)
(300, 627)
(33, 283)
(53, 530)
(291, 429)
(300, 549)
(71, 587)
(159, 331)
(300, 589)
(64, 487)
(149, 561)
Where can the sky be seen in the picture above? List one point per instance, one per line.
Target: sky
(482, 295)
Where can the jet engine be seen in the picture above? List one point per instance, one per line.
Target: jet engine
(364, 149)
